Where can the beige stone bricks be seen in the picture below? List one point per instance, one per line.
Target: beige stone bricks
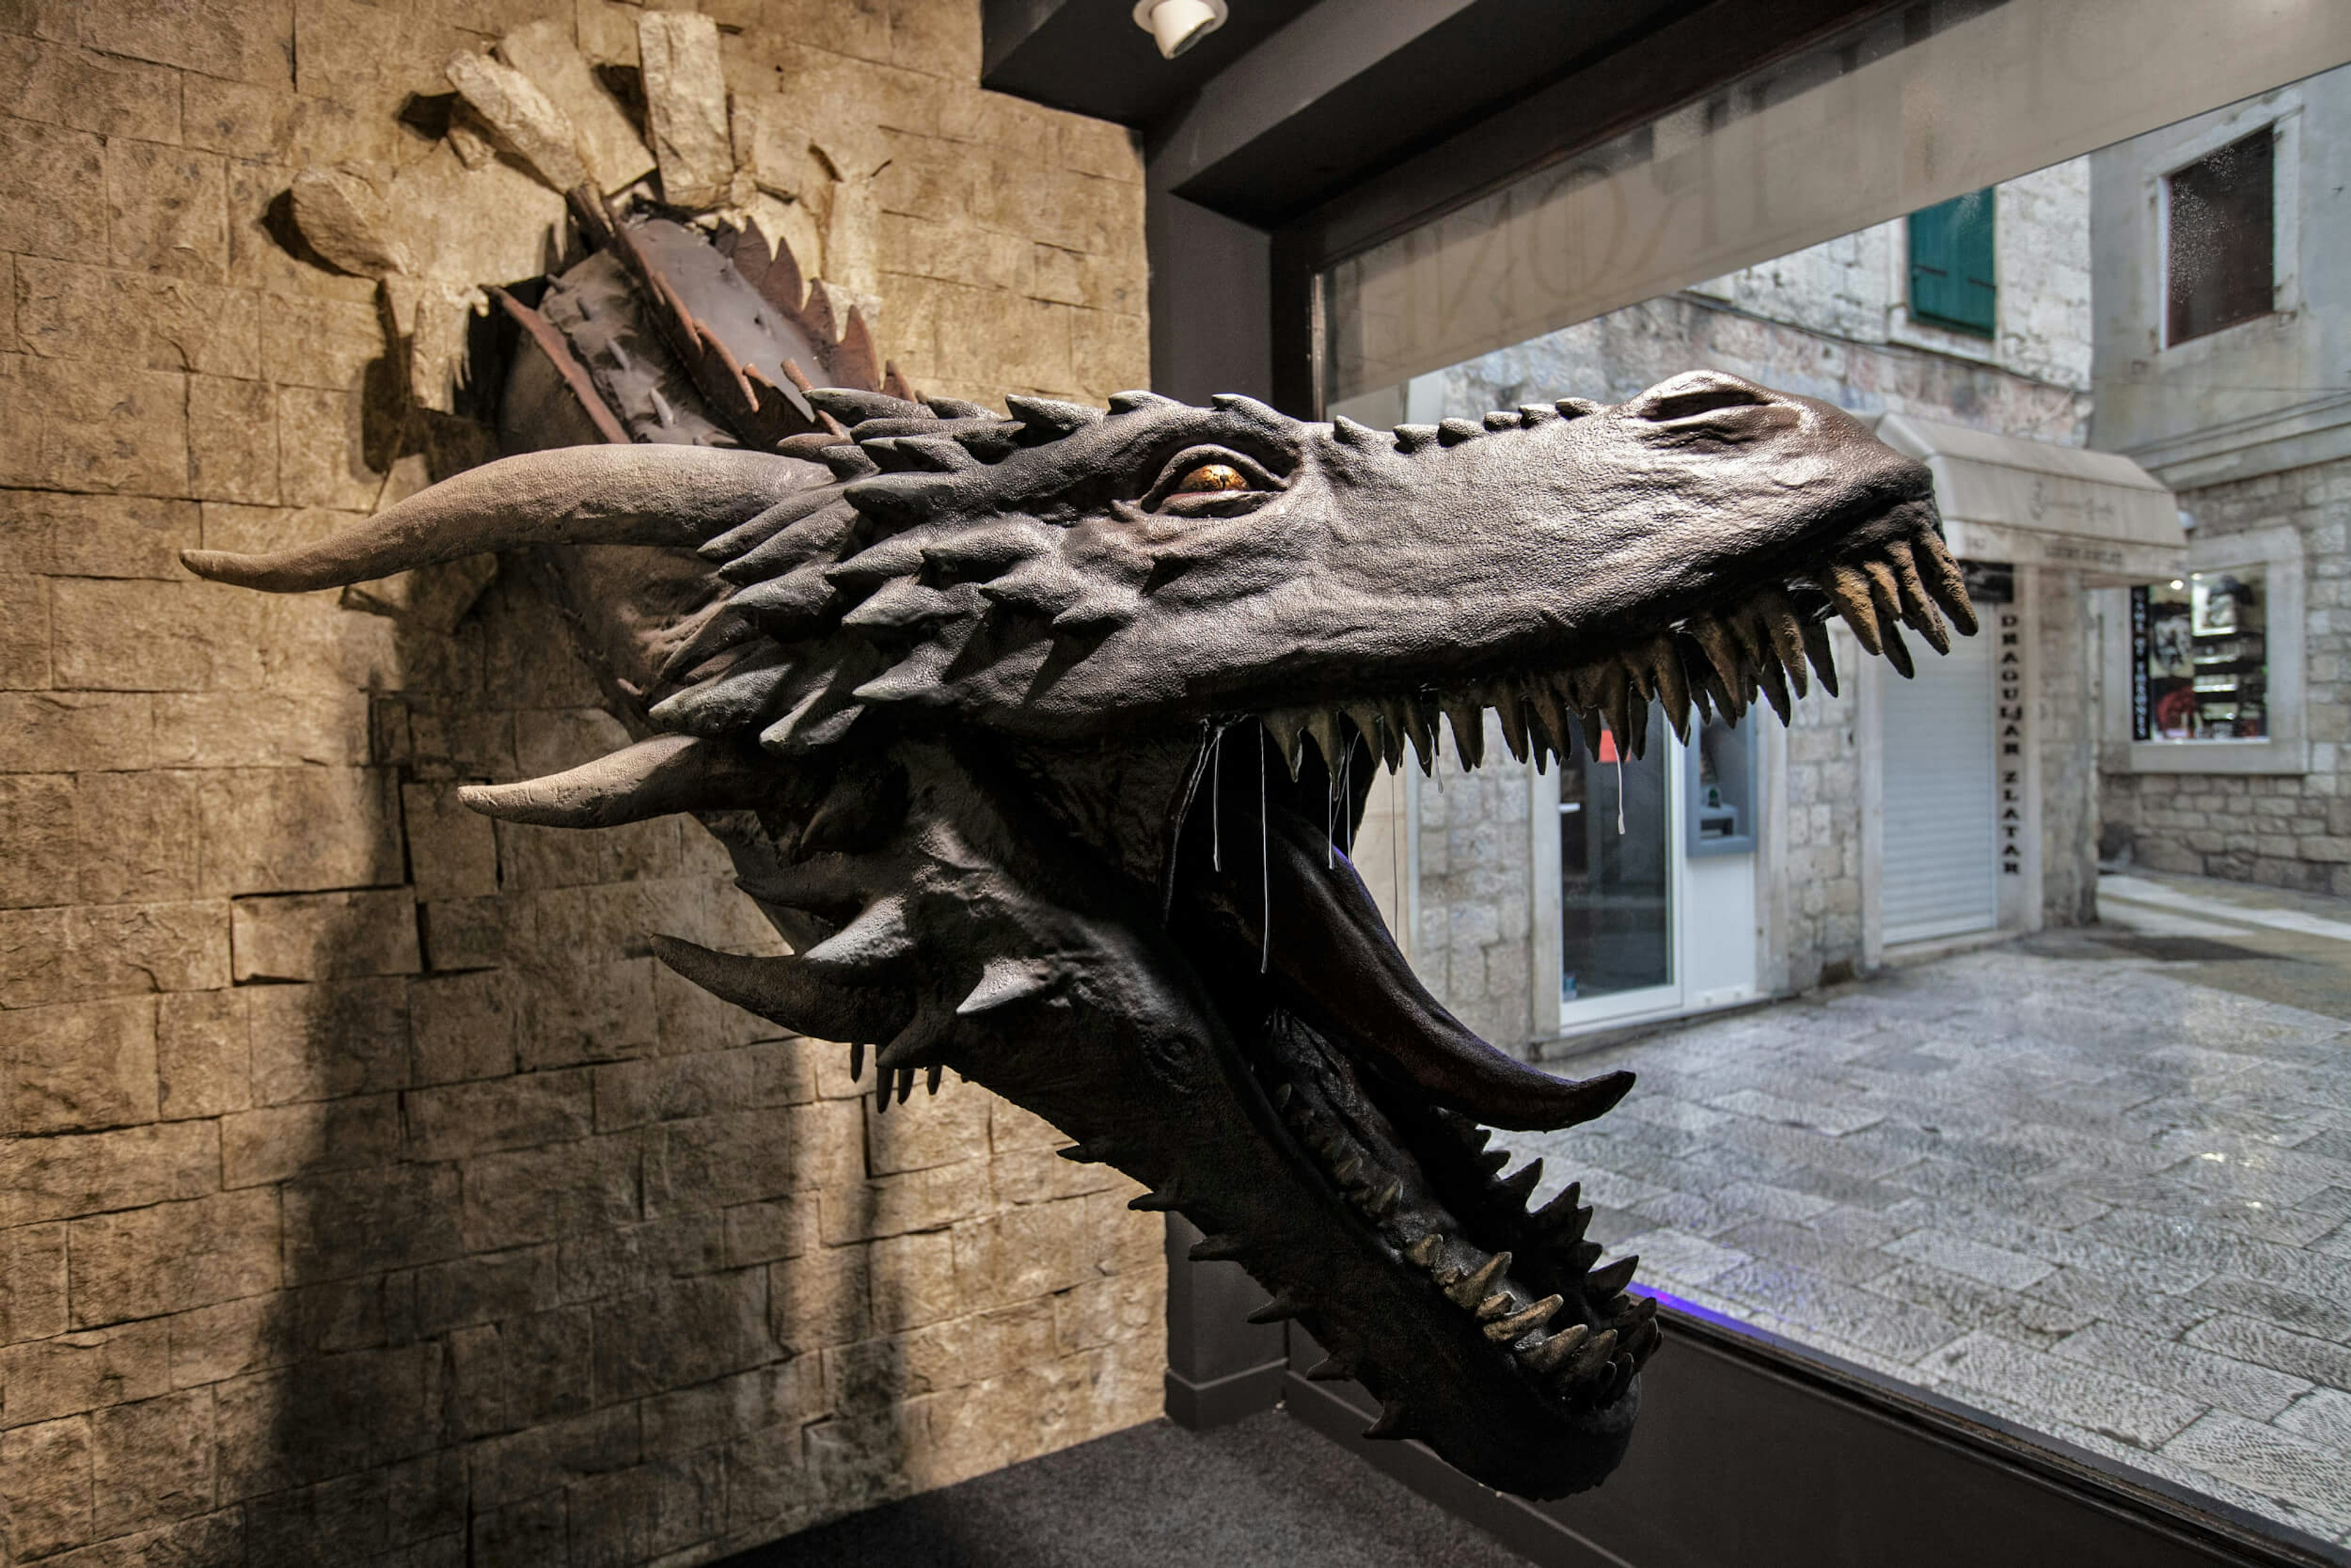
(356, 1158)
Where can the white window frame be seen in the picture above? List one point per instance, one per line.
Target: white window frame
(2276, 551)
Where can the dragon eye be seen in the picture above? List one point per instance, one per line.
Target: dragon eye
(1209, 478)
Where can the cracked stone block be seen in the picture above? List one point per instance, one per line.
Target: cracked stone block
(686, 107)
(343, 219)
(607, 143)
(528, 120)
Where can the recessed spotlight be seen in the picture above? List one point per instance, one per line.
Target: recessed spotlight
(1176, 24)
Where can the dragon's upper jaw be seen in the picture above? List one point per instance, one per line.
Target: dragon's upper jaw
(1492, 1333)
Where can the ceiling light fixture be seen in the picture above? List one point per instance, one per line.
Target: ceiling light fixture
(1176, 24)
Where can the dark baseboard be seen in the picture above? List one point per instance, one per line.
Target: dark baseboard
(1755, 1454)
(1220, 1400)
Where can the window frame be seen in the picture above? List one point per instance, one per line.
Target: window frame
(2276, 551)
(2281, 111)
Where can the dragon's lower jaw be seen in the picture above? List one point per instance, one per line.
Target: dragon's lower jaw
(1384, 1225)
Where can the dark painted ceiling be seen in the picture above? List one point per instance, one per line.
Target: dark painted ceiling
(1290, 105)
(1089, 55)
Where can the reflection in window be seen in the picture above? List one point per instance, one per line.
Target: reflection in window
(2219, 248)
(1615, 869)
(1953, 276)
(2200, 667)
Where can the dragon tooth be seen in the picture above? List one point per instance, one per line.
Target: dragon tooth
(1816, 649)
(1638, 717)
(1775, 688)
(1412, 438)
(1672, 688)
(856, 1060)
(1282, 1095)
(1722, 655)
(1347, 433)
(1597, 1352)
(1382, 1202)
(1505, 698)
(1546, 1357)
(1519, 1324)
(1636, 1310)
(1945, 580)
(1919, 611)
(1218, 1249)
(1785, 630)
(1605, 1282)
(1285, 725)
(932, 1076)
(1467, 717)
(1494, 1306)
(1422, 1254)
(1323, 724)
(1642, 1341)
(1336, 1367)
(1365, 716)
(1395, 1423)
(1453, 432)
(1088, 1152)
(1158, 1201)
(1542, 701)
(1848, 590)
(1885, 597)
(1898, 652)
(1479, 1283)
(1349, 1168)
(1616, 704)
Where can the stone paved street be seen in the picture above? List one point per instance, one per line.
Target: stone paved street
(2097, 1184)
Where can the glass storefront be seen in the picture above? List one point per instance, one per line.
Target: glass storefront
(2093, 1212)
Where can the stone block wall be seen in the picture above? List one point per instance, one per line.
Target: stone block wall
(1472, 944)
(1816, 885)
(2287, 831)
(366, 1193)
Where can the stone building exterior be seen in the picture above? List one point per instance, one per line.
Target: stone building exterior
(1467, 865)
(366, 1193)
(2251, 424)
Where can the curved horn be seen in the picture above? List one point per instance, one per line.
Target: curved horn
(787, 991)
(652, 778)
(651, 494)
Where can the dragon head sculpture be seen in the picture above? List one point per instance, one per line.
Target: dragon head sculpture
(1041, 739)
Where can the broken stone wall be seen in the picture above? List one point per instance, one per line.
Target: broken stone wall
(366, 1193)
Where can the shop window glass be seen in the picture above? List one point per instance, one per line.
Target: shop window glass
(1953, 279)
(2200, 658)
(2098, 1201)
(2219, 245)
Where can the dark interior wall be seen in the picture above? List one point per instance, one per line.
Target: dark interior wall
(1211, 322)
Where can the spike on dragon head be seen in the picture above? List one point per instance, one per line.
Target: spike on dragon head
(1039, 737)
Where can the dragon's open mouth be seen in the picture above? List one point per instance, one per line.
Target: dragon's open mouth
(1384, 1098)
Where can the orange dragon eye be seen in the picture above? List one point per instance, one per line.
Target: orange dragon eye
(1208, 477)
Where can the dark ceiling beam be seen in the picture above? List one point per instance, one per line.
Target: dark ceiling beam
(1089, 57)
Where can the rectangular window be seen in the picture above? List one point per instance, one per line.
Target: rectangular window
(2200, 658)
(2219, 248)
(1954, 281)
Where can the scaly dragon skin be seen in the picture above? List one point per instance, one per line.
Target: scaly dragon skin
(1039, 739)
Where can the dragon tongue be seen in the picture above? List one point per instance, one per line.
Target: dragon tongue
(1331, 951)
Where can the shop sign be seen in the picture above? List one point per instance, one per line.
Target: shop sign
(2008, 677)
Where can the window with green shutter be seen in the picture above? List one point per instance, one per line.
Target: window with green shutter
(1952, 280)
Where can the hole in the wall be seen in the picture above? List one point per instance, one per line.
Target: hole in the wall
(429, 115)
(627, 86)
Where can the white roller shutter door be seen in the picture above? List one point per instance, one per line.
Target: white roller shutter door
(1941, 853)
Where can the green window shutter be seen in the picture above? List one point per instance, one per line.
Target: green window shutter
(1953, 281)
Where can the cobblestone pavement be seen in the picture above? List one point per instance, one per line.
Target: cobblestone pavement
(2097, 1184)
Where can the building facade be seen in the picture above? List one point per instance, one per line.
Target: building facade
(2224, 336)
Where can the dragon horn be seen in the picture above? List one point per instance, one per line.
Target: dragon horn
(788, 992)
(652, 778)
(645, 494)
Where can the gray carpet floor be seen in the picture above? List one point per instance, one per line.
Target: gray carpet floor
(1266, 1491)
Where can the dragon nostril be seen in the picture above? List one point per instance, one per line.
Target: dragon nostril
(1698, 393)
